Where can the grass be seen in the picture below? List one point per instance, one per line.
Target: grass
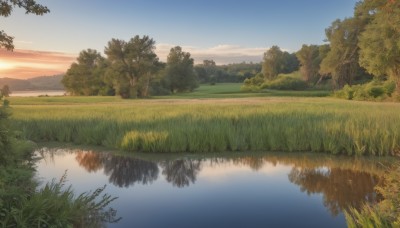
(213, 125)
(385, 213)
(232, 90)
(57, 206)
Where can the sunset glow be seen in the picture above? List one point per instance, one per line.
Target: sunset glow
(24, 64)
(206, 29)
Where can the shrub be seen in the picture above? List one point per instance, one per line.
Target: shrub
(252, 84)
(374, 90)
(390, 87)
(285, 82)
(55, 206)
(385, 213)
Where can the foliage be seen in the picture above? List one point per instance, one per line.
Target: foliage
(253, 84)
(277, 61)
(86, 77)
(342, 60)
(179, 73)
(5, 91)
(215, 125)
(22, 206)
(6, 8)
(310, 58)
(374, 90)
(133, 65)
(5, 143)
(379, 43)
(56, 206)
(385, 213)
(285, 82)
(209, 72)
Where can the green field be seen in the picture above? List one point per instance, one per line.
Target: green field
(200, 124)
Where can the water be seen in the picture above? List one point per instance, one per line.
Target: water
(37, 93)
(220, 191)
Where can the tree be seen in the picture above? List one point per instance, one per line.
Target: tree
(86, 77)
(179, 72)
(276, 62)
(6, 7)
(132, 65)
(5, 91)
(342, 60)
(310, 58)
(291, 63)
(380, 42)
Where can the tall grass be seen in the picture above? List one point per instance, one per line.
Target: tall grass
(209, 125)
(57, 206)
(385, 213)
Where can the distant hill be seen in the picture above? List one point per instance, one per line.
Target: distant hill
(37, 83)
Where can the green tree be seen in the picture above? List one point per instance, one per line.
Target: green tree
(179, 72)
(276, 62)
(341, 61)
(5, 91)
(380, 42)
(86, 77)
(291, 63)
(309, 64)
(310, 58)
(133, 64)
(6, 8)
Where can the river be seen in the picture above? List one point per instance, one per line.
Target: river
(219, 190)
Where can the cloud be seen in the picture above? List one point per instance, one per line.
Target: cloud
(27, 63)
(221, 54)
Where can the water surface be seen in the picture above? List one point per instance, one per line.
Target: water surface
(36, 93)
(270, 190)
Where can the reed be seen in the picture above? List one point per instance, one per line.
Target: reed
(216, 125)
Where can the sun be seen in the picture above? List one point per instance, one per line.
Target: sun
(6, 65)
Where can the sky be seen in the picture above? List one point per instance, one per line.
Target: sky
(227, 31)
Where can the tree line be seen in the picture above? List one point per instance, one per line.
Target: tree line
(131, 69)
(361, 47)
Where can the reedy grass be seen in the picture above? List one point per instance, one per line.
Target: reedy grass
(57, 206)
(216, 125)
(385, 213)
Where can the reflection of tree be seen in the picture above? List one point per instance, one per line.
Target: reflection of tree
(255, 163)
(341, 188)
(125, 171)
(181, 172)
(90, 160)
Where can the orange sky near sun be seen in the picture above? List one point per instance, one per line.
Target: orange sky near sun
(24, 64)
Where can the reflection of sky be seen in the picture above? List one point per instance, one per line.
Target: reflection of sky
(223, 195)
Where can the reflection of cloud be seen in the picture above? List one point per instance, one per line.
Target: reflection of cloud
(221, 54)
(27, 63)
(227, 169)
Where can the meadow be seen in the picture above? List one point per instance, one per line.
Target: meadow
(202, 124)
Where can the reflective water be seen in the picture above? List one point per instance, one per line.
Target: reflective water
(285, 190)
(37, 93)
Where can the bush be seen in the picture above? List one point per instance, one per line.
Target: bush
(390, 87)
(385, 213)
(372, 91)
(252, 84)
(55, 206)
(285, 82)
(376, 91)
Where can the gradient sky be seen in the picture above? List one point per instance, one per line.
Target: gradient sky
(224, 30)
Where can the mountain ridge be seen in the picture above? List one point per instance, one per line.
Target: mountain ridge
(34, 84)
